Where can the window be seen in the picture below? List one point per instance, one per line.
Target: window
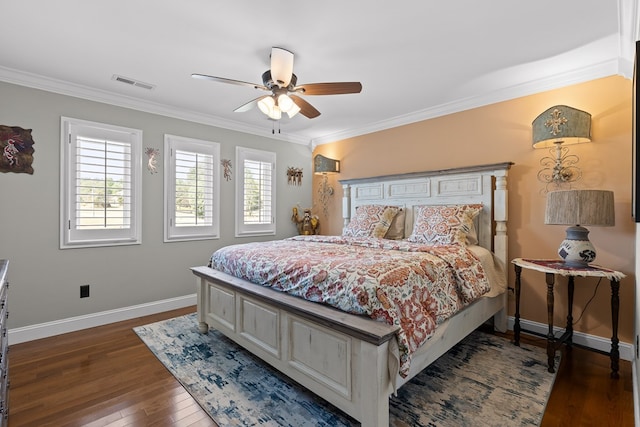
(192, 189)
(255, 192)
(100, 184)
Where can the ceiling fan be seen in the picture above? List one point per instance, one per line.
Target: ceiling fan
(283, 85)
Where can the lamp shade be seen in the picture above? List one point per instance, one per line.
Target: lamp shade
(563, 124)
(323, 165)
(580, 207)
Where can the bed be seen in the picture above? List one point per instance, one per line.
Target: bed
(351, 360)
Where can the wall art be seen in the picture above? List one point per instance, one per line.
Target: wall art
(226, 166)
(152, 159)
(16, 144)
(294, 176)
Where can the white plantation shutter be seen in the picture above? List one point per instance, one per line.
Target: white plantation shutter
(191, 189)
(194, 202)
(255, 192)
(101, 182)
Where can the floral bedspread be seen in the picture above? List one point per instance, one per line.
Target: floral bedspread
(407, 284)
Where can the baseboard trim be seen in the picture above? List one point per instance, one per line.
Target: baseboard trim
(591, 341)
(72, 324)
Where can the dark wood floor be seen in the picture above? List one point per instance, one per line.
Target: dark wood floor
(106, 376)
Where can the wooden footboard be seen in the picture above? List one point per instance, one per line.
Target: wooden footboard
(342, 358)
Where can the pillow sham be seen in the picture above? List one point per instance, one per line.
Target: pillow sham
(396, 229)
(371, 221)
(472, 234)
(443, 224)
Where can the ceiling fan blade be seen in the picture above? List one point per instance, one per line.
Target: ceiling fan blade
(281, 66)
(338, 88)
(306, 109)
(230, 81)
(249, 105)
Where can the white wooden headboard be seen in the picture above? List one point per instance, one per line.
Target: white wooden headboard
(485, 184)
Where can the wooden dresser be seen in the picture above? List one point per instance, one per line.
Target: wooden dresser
(4, 345)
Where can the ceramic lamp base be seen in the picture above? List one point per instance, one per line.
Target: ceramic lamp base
(576, 249)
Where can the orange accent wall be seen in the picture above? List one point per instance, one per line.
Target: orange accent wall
(501, 132)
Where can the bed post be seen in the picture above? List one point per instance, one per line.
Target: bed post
(202, 291)
(373, 385)
(346, 205)
(500, 241)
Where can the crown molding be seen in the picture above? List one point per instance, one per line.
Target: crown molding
(592, 72)
(604, 69)
(48, 84)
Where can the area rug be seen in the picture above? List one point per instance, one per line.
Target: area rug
(483, 381)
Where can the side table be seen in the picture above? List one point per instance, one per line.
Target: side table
(551, 268)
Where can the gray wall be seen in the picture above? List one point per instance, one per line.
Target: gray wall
(45, 280)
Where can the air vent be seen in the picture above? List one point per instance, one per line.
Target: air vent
(132, 82)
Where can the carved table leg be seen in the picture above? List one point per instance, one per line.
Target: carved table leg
(569, 330)
(551, 349)
(516, 323)
(615, 309)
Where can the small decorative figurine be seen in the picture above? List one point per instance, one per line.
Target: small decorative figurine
(308, 224)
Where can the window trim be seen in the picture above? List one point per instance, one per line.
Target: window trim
(171, 232)
(247, 230)
(71, 237)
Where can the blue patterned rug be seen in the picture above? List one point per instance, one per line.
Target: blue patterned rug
(483, 381)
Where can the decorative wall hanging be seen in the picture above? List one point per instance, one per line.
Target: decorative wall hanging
(294, 176)
(325, 166)
(226, 167)
(554, 129)
(152, 159)
(17, 149)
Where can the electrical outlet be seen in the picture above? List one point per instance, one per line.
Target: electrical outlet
(84, 291)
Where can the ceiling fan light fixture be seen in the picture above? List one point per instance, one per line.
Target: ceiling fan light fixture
(275, 113)
(293, 110)
(266, 104)
(285, 103)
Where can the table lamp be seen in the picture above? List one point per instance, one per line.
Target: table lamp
(577, 208)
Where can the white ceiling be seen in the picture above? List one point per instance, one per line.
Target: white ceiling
(416, 59)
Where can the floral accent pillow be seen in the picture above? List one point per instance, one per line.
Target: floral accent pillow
(443, 224)
(371, 221)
